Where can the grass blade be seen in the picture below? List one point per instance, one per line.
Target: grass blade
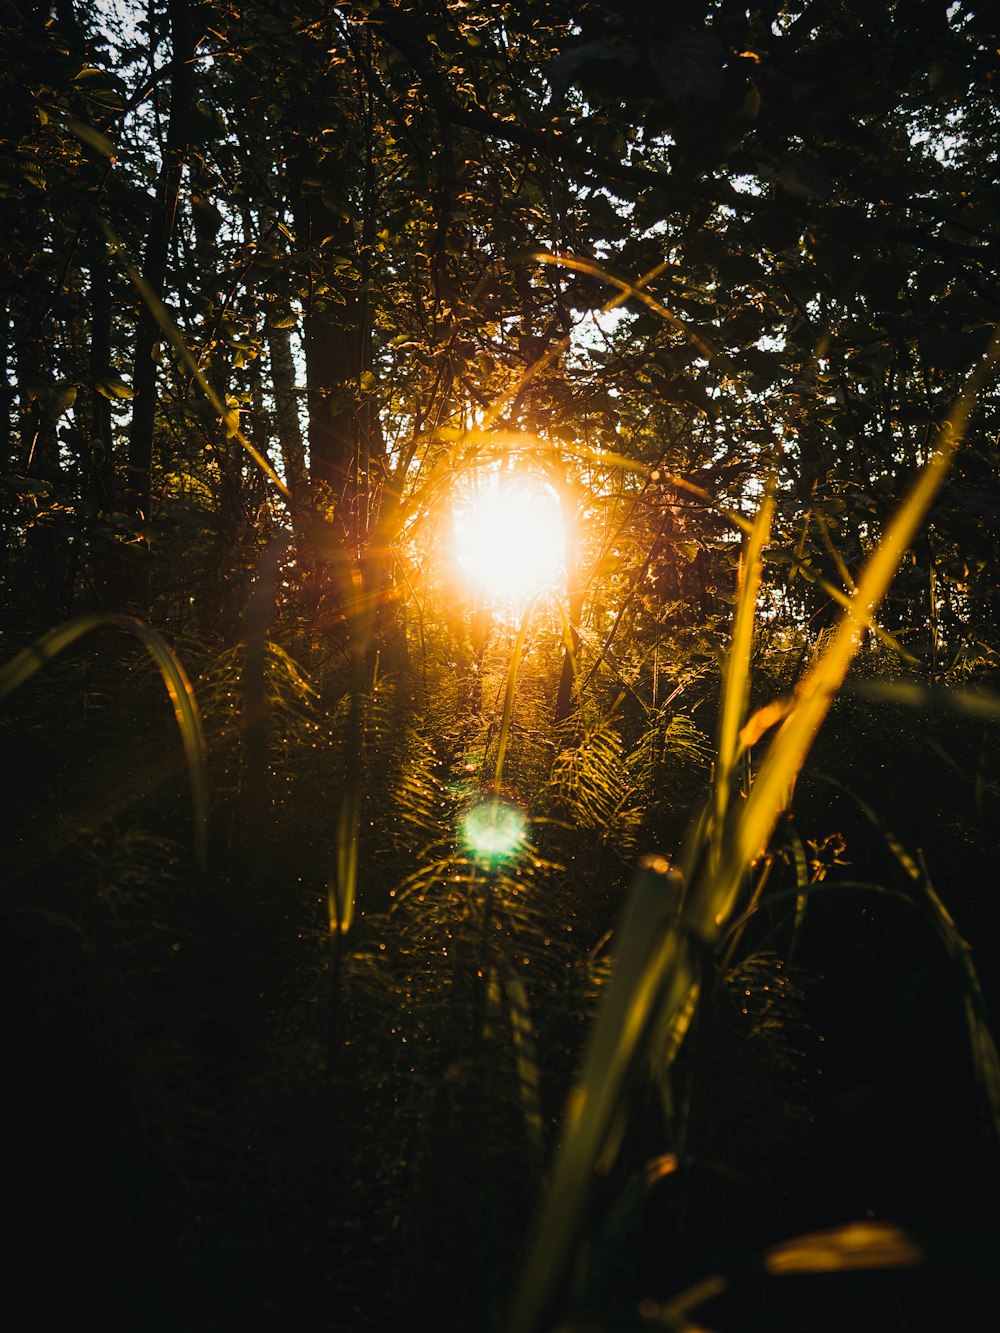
(343, 887)
(657, 970)
(182, 696)
(856, 1247)
(736, 671)
(525, 1057)
(648, 929)
(911, 694)
(715, 895)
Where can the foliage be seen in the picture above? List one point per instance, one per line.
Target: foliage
(281, 282)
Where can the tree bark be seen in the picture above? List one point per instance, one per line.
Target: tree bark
(140, 450)
(287, 425)
(333, 345)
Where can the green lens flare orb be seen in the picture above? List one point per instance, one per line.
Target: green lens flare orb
(493, 830)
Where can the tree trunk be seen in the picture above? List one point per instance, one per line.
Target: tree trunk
(97, 458)
(287, 425)
(569, 501)
(140, 451)
(333, 351)
(6, 436)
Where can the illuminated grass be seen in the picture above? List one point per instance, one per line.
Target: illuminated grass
(675, 916)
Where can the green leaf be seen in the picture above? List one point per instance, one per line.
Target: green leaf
(804, 177)
(689, 69)
(55, 400)
(111, 386)
(24, 665)
(33, 174)
(207, 123)
(653, 978)
(94, 138)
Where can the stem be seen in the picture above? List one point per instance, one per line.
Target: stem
(508, 700)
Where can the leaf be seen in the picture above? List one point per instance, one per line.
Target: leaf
(804, 177)
(22, 667)
(859, 1245)
(32, 173)
(648, 948)
(689, 69)
(94, 138)
(856, 1246)
(111, 386)
(208, 123)
(55, 400)
(736, 672)
(578, 62)
(101, 87)
(912, 694)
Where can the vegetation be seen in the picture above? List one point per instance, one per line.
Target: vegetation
(499, 663)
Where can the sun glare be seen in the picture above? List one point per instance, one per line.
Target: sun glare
(493, 830)
(509, 540)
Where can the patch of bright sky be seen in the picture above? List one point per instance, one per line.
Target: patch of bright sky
(746, 185)
(118, 20)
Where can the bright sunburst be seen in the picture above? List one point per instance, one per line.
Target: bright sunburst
(509, 540)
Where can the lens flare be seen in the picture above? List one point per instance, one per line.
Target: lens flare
(509, 538)
(493, 830)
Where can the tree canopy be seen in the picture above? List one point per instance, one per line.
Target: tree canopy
(374, 224)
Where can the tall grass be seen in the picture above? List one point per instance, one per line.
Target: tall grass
(677, 915)
(55, 641)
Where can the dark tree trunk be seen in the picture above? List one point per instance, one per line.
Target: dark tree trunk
(287, 425)
(333, 344)
(6, 435)
(98, 456)
(140, 451)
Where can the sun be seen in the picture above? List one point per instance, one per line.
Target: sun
(509, 538)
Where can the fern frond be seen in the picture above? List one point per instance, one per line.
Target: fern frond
(589, 786)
